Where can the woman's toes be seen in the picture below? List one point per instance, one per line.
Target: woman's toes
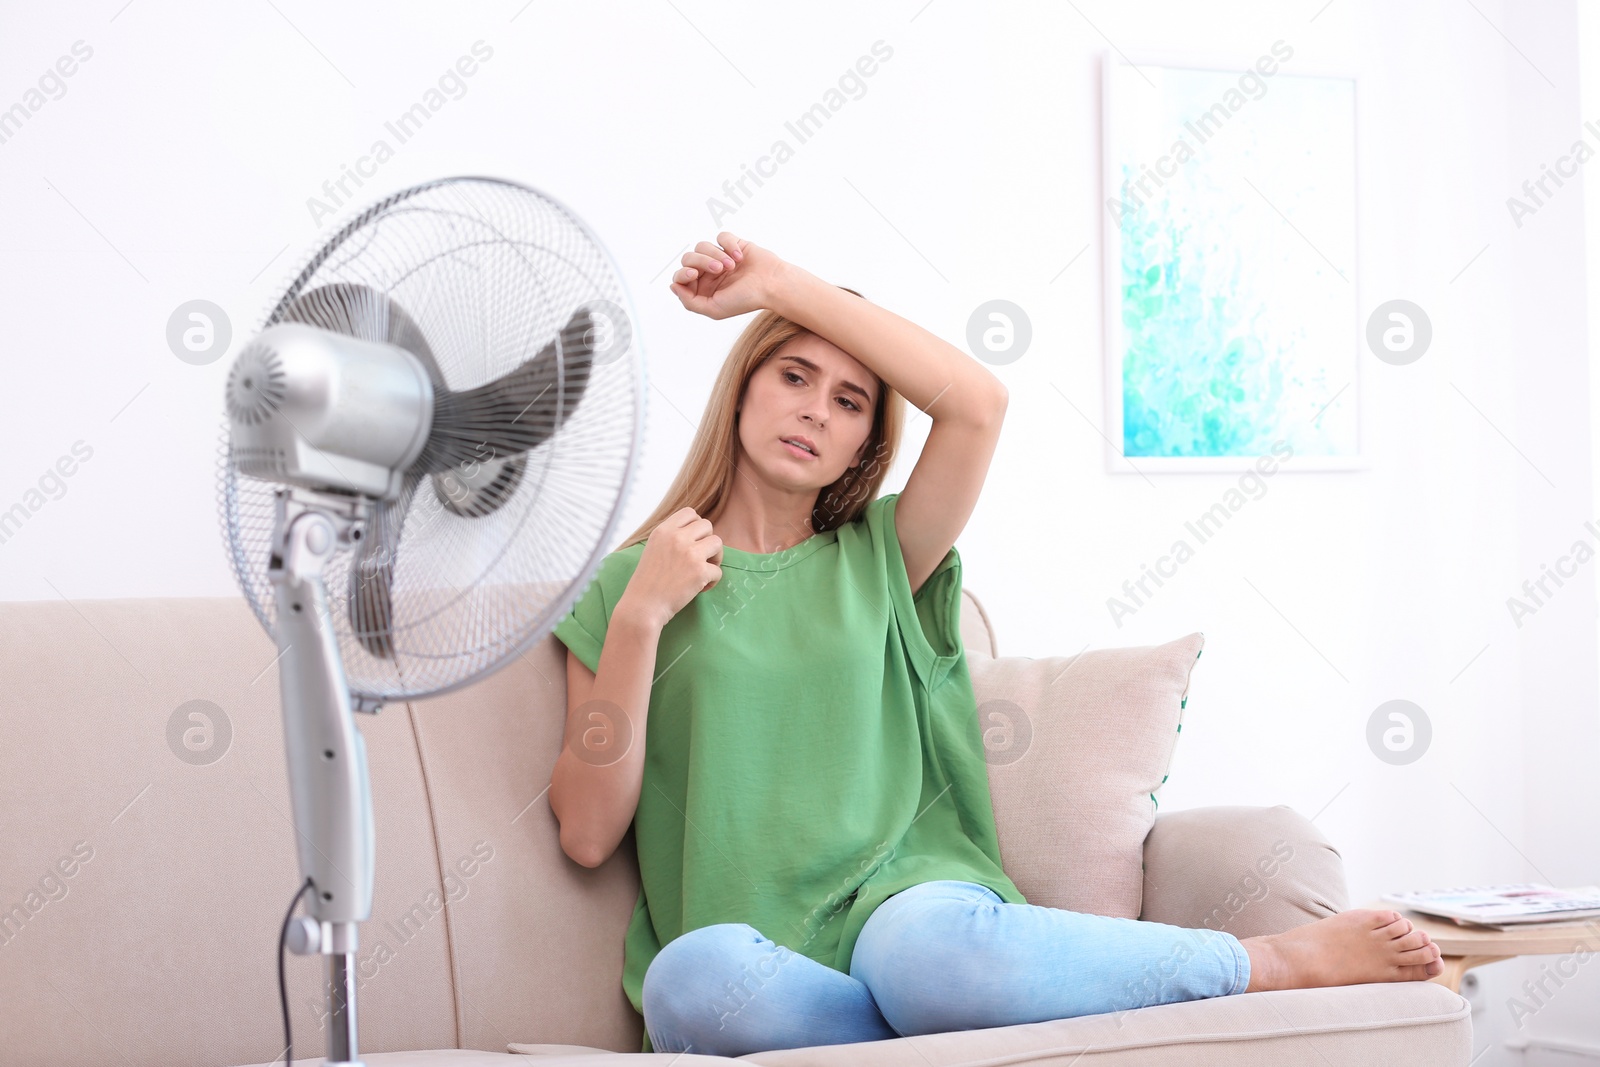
(1399, 928)
(1417, 973)
(1422, 955)
(1413, 940)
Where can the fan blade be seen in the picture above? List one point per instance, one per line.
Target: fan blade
(518, 411)
(372, 575)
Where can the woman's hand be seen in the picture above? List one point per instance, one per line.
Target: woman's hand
(731, 277)
(682, 558)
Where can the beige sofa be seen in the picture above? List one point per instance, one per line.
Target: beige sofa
(149, 859)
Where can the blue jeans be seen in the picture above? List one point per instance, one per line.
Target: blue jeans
(939, 956)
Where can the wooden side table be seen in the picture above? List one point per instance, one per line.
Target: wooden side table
(1462, 948)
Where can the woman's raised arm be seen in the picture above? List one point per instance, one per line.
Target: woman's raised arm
(965, 401)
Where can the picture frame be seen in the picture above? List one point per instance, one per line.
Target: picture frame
(1233, 334)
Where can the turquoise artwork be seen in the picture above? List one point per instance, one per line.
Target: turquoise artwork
(1231, 255)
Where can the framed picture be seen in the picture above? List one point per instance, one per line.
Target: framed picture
(1232, 318)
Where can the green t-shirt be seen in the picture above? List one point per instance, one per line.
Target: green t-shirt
(813, 744)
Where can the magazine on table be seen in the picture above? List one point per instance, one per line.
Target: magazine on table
(1503, 906)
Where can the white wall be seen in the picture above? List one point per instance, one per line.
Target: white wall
(178, 163)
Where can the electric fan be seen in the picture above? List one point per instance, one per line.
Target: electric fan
(425, 453)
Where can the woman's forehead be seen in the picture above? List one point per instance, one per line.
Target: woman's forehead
(822, 356)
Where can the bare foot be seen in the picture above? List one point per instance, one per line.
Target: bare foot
(1360, 945)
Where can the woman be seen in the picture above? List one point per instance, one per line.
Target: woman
(816, 845)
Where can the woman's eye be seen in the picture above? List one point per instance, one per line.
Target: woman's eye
(789, 374)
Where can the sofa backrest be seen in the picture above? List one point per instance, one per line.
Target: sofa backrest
(150, 851)
(150, 847)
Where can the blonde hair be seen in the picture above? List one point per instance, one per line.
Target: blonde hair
(707, 474)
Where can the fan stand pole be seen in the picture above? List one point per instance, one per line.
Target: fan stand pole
(327, 757)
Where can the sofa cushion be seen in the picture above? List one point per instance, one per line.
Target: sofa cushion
(1077, 748)
(1420, 1024)
(519, 1056)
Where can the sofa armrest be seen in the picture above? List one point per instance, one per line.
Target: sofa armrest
(1245, 870)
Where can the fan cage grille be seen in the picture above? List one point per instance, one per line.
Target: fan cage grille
(488, 271)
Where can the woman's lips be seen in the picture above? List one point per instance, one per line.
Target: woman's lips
(798, 451)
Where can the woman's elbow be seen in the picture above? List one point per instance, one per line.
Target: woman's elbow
(583, 853)
(992, 410)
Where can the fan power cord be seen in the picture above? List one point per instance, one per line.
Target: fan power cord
(283, 989)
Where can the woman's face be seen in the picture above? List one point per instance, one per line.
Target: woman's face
(809, 388)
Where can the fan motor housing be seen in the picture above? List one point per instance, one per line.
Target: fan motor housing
(325, 410)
